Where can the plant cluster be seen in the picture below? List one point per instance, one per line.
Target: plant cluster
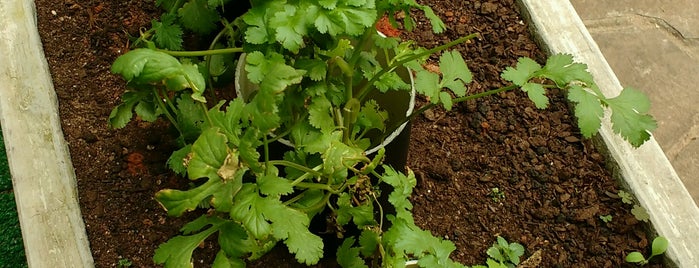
(503, 254)
(316, 67)
(639, 212)
(658, 247)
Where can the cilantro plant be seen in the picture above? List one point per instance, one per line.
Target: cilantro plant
(317, 66)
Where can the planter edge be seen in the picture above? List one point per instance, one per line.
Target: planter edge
(42, 173)
(646, 170)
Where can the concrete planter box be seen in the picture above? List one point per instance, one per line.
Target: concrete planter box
(44, 180)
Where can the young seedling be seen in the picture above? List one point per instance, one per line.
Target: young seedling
(497, 195)
(658, 248)
(639, 212)
(504, 253)
(124, 263)
(606, 218)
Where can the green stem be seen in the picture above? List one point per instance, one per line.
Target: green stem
(302, 168)
(317, 206)
(319, 186)
(198, 53)
(165, 109)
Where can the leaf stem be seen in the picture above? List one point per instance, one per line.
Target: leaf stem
(303, 168)
(198, 53)
(165, 109)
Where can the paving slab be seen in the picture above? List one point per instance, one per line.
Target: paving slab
(654, 46)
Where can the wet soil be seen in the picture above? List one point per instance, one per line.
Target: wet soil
(555, 186)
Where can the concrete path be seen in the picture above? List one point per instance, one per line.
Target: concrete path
(654, 46)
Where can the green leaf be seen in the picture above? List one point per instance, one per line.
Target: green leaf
(640, 213)
(176, 162)
(659, 246)
(189, 77)
(338, 157)
(629, 118)
(256, 32)
(360, 215)
(402, 189)
(147, 67)
(315, 69)
(413, 241)
(348, 256)
(291, 226)
(320, 114)
(147, 110)
(223, 261)
(248, 209)
(229, 121)
(455, 72)
(537, 94)
(446, 100)
(231, 239)
(526, 68)
(369, 242)
(177, 252)
(371, 116)
(427, 83)
(208, 153)
(273, 185)
(198, 17)
(167, 35)
(626, 197)
(562, 70)
(346, 18)
(122, 114)
(190, 116)
(588, 110)
(177, 202)
(636, 257)
(290, 26)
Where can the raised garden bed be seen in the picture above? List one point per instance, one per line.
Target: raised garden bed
(29, 125)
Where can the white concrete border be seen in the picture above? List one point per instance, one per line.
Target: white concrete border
(42, 173)
(646, 170)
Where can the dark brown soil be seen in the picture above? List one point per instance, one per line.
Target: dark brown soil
(555, 185)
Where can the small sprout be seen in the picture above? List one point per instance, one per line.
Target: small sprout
(640, 213)
(496, 194)
(124, 262)
(626, 197)
(505, 253)
(658, 247)
(606, 218)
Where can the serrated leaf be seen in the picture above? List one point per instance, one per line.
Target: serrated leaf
(256, 32)
(223, 261)
(291, 226)
(208, 153)
(345, 19)
(273, 185)
(369, 242)
(360, 215)
(626, 197)
(629, 118)
(413, 241)
(427, 83)
(178, 202)
(315, 69)
(290, 26)
(147, 110)
(320, 114)
(177, 252)
(122, 114)
(338, 157)
(231, 239)
(455, 72)
(402, 189)
(526, 68)
(229, 121)
(371, 116)
(536, 94)
(177, 159)
(588, 110)
(640, 213)
(390, 81)
(446, 100)
(167, 35)
(248, 209)
(198, 17)
(348, 256)
(190, 116)
(563, 70)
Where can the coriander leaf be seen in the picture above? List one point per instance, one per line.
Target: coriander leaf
(315, 69)
(229, 121)
(146, 66)
(177, 252)
(207, 156)
(167, 35)
(348, 256)
(177, 202)
(347, 18)
(147, 110)
(427, 83)
(290, 26)
(320, 114)
(190, 77)
(231, 238)
(562, 70)
(537, 94)
(248, 209)
(198, 17)
(273, 185)
(360, 215)
(189, 116)
(390, 80)
(455, 72)
(369, 242)
(121, 115)
(217, 3)
(176, 162)
(437, 24)
(413, 241)
(588, 110)
(338, 157)
(257, 30)
(626, 197)
(371, 116)
(223, 261)
(291, 226)
(629, 118)
(402, 189)
(446, 100)
(526, 68)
